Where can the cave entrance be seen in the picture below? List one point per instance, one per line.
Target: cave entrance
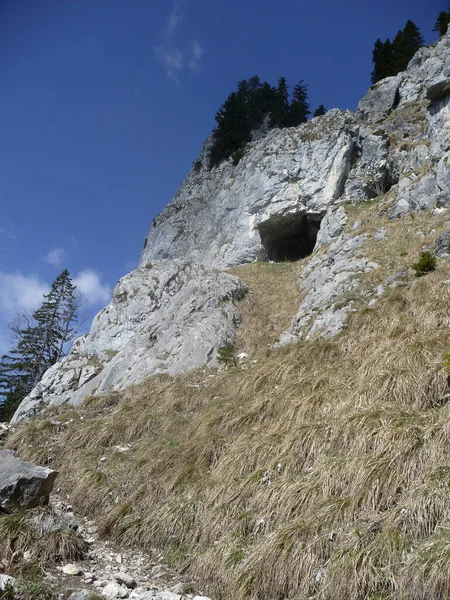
(289, 237)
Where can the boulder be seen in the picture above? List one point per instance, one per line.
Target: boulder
(438, 89)
(443, 245)
(114, 590)
(380, 100)
(22, 484)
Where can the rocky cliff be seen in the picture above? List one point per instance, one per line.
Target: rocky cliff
(287, 199)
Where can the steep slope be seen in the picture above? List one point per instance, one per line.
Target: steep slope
(315, 470)
(289, 197)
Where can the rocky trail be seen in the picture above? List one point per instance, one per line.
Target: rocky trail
(105, 570)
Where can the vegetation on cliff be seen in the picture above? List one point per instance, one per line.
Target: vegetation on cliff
(253, 105)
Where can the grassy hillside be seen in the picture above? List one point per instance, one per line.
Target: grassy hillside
(318, 470)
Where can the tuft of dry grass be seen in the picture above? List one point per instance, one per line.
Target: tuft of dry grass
(18, 535)
(321, 470)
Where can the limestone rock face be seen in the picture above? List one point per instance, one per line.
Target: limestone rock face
(286, 199)
(165, 318)
(22, 484)
(226, 216)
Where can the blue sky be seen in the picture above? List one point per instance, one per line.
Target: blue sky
(104, 105)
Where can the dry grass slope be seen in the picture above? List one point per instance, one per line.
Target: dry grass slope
(320, 471)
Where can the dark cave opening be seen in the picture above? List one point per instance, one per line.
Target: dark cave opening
(289, 237)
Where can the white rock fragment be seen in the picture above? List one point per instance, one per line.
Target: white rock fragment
(71, 569)
(115, 590)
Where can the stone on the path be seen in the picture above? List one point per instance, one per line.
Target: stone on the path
(125, 579)
(71, 569)
(23, 484)
(115, 590)
(157, 571)
(166, 595)
(80, 595)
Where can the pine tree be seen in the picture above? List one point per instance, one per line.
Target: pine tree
(280, 110)
(299, 107)
(383, 60)
(320, 110)
(389, 58)
(442, 22)
(233, 129)
(405, 45)
(40, 343)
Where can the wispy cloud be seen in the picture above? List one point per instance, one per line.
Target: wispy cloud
(55, 256)
(168, 51)
(173, 22)
(89, 283)
(196, 55)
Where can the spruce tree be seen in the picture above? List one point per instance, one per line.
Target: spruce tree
(389, 58)
(299, 107)
(320, 110)
(442, 22)
(383, 60)
(39, 343)
(280, 110)
(405, 45)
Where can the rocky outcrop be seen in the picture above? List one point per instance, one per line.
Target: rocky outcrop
(235, 214)
(22, 484)
(286, 199)
(166, 317)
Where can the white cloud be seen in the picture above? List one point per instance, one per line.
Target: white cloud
(89, 283)
(173, 22)
(55, 257)
(196, 55)
(20, 292)
(172, 60)
(168, 51)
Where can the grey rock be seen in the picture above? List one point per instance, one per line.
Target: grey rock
(125, 579)
(324, 282)
(166, 595)
(380, 234)
(80, 595)
(442, 245)
(396, 279)
(114, 590)
(401, 209)
(47, 522)
(380, 100)
(438, 89)
(201, 598)
(22, 484)
(331, 227)
(167, 319)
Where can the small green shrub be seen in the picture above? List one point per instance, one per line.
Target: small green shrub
(426, 264)
(148, 265)
(235, 557)
(446, 361)
(227, 355)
